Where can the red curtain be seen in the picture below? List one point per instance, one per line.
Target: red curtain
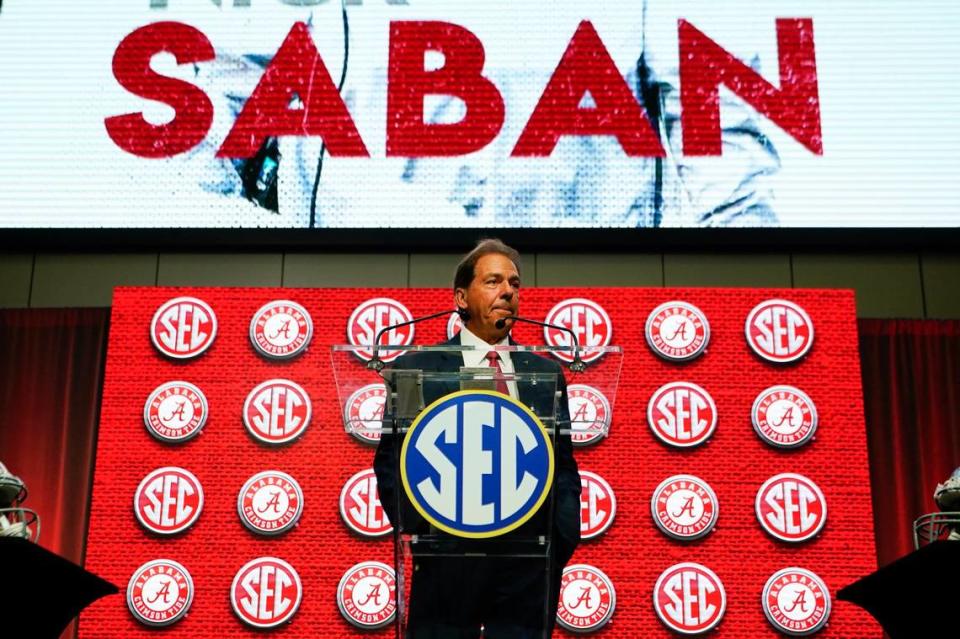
(911, 382)
(51, 372)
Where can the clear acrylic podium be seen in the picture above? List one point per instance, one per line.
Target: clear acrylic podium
(417, 376)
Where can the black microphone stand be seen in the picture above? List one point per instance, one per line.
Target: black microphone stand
(577, 365)
(377, 364)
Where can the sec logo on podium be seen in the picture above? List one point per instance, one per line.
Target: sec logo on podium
(477, 464)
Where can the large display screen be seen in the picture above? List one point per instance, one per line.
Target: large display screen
(297, 114)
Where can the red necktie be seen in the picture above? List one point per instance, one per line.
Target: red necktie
(494, 360)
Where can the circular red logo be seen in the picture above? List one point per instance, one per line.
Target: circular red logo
(168, 500)
(598, 505)
(367, 595)
(796, 602)
(370, 318)
(360, 506)
(682, 414)
(277, 411)
(266, 592)
(363, 414)
(587, 599)
(281, 329)
(677, 331)
(791, 508)
(589, 414)
(689, 598)
(588, 321)
(270, 503)
(784, 416)
(183, 327)
(684, 507)
(779, 331)
(159, 593)
(454, 324)
(175, 412)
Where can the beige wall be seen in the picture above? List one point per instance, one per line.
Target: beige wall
(907, 285)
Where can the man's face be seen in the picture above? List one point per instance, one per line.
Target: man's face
(493, 294)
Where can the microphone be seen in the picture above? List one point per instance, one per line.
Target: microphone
(577, 365)
(377, 364)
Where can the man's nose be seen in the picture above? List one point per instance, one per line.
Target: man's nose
(507, 290)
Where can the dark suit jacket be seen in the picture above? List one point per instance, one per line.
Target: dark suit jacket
(566, 490)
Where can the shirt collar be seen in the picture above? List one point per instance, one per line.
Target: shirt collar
(467, 338)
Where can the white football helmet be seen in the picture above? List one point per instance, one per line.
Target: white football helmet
(15, 520)
(946, 523)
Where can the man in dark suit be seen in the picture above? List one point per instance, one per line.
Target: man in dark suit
(453, 597)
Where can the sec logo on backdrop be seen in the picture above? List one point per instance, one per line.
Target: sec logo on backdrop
(266, 592)
(159, 593)
(277, 412)
(372, 316)
(598, 505)
(183, 327)
(682, 414)
(790, 507)
(779, 331)
(360, 506)
(588, 321)
(477, 464)
(689, 598)
(168, 500)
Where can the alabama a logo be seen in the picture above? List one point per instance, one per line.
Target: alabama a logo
(587, 599)
(159, 593)
(779, 331)
(454, 324)
(677, 331)
(689, 598)
(598, 505)
(477, 464)
(183, 327)
(168, 500)
(175, 412)
(266, 592)
(374, 315)
(270, 503)
(588, 321)
(360, 506)
(784, 417)
(363, 413)
(684, 507)
(682, 414)
(790, 507)
(796, 602)
(589, 414)
(277, 412)
(367, 595)
(281, 329)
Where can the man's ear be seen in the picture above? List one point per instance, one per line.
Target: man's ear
(460, 299)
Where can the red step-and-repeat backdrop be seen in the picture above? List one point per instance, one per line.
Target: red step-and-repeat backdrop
(633, 552)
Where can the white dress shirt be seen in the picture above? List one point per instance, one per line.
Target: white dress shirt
(478, 358)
